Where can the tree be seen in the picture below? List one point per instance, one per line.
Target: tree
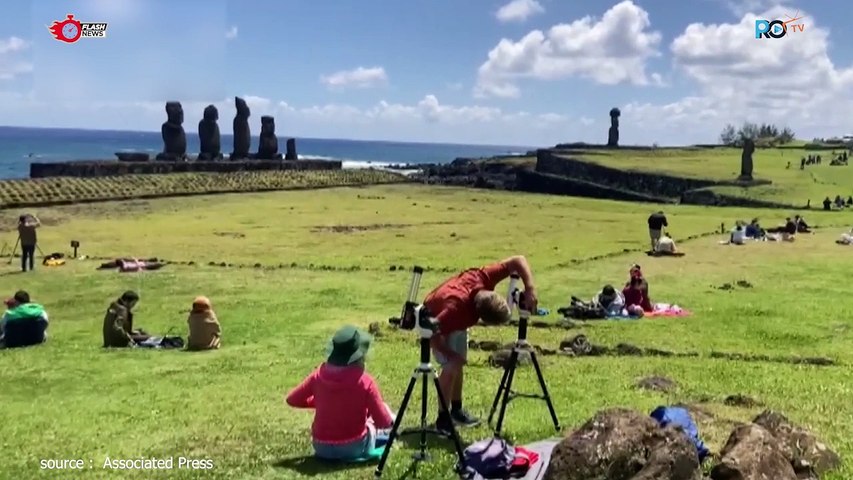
(728, 135)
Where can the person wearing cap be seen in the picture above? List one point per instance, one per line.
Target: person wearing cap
(24, 323)
(348, 408)
(118, 323)
(457, 305)
(204, 330)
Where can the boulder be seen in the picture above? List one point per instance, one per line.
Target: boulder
(622, 444)
(807, 455)
(752, 453)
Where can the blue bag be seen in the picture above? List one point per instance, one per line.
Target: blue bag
(681, 417)
(490, 458)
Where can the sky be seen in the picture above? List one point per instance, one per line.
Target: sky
(501, 72)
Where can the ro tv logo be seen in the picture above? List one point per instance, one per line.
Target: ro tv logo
(778, 28)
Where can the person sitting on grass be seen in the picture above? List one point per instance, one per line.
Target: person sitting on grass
(24, 324)
(118, 323)
(738, 236)
(789, 232)
(458, 304)
(636, 296)
(802, 226)
(205, 331)
(665, 245)
(846, 238)
(613, 303)
(754, 230)
(348, 408)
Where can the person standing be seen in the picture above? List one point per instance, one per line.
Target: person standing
(27, 225)
(657, 221)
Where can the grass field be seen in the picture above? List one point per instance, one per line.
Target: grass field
(790, 186)
(70, 399)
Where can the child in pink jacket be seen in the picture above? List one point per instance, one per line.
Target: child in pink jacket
(348, 408)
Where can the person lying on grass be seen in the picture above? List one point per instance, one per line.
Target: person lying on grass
(613, 303)
(205, 331)
(118, 323)
(24, 323)
(635, 296)
(458, 304)
(349, 413)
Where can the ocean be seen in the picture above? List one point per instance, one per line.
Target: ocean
(19, 146)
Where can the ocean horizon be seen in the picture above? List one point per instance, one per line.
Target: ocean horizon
(20, 146)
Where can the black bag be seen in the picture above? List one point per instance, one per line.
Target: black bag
(172, 342)
(580, 310)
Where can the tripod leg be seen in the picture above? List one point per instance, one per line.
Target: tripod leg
(421, 454)
(498, 395)
(513, 362)
(12, 255)
(461, 467)
(396, 428)
(545, 393)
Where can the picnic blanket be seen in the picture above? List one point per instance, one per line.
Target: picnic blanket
(667, 310)
(538, 469)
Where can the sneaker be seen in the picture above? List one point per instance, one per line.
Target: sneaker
(463, 418)
(444, 425)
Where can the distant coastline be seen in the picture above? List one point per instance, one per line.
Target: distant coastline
(21, 145)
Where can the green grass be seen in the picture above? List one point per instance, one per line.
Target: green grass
(70, 399)
(790, 186)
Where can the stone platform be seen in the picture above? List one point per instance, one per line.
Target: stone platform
(105, 168)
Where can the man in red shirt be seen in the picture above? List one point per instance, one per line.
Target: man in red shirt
(458, 304)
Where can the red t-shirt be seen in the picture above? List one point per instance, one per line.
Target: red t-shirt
(452, 302)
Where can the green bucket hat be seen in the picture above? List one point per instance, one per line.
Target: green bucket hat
(349, 345)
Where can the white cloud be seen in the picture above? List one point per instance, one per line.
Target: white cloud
(788, 81)
(611, 50)
(231, 33)
(11, 63)
(427, 119)
(360, 77)
(519, 10)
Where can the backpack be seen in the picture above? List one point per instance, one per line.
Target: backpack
(580, 310)
(490, 458)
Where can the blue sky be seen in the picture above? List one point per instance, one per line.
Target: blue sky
(475, 71)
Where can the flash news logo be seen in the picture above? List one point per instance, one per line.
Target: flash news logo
(70, 30)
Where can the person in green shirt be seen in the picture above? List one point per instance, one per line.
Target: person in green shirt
(24, 323)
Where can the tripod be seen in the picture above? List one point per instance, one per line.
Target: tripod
(505, 394)
(417, 317)
(15, 248)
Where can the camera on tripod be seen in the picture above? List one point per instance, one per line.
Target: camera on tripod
(415, 316)
(516, 296)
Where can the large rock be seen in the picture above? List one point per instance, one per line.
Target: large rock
(621, 444)
(807, 455)
(752, 453)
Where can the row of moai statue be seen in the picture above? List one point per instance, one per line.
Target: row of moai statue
(175, 139)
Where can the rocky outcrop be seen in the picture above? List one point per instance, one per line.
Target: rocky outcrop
(536, 182)
(172, 131)
(658, 185)
(102, 168)
(623, 444)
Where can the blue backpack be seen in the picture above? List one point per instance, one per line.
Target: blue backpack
(490, 458)
(681, 417)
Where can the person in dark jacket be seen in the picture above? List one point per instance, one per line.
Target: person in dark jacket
(27, 225)
(118, 323)
(657, 221)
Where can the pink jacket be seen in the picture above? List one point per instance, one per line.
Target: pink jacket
(343, 398)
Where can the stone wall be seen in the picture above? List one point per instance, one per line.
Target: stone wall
(707, 197)
(537, 182)
(655, 185)
(102, 168)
